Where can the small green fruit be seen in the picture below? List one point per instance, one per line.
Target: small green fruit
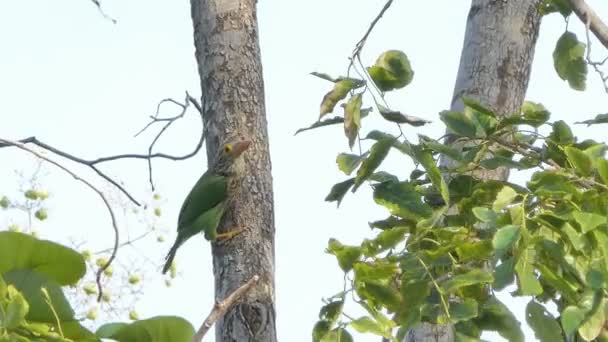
(156, 197)
(42, 194)
(41, 214)
(34, 234)
(106, 296)
(108, 271)
(31, 194)
(133, 315)
(4, 202)
(134, 279)
(92, 314)
(90, 289)
(86, 254)
(167, 283)
(101, 262)
(160, 238)
(157, 212)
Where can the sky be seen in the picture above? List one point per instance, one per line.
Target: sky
(85, 85)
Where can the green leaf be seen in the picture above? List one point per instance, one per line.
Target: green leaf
(463, 311)
(16, 310)
(414, 293)
(505, 196)
(579, 160)
(599, 119)
(473, 277)
(504, 238)
(347, 163)
(331, 312)
(503, 274)
(474, 250)
(478, 107)
(578, 241)
(324, 76)
(383, 176)
(332, 121)
(459, 124)
(426, 160)
(588, 221)
(339, 92)
(337, 192)
(109, 329)
(402, 200)
(22, 251)
(368, 325)
(526, 279)
(156, 329)
(346, 255)
(30, 284)
(320, 330)
(438, 147)
(402, 147)
(602, 169)
(501, 161)
(352, 118)
(572, 317)
(495, 316)
(378, 152)
(561, 133)
(485, 215)
(593, 324)
(543, 323)
(383, 294)
(391, 71)
(550, 6)
(375, 271)
(338, 335)
(569, 61)
(535, 114)
(398, 117)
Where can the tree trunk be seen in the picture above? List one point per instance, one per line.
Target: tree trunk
(230, 69)
(494, 70)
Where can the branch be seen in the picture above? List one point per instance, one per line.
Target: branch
(586, 14)
(92, 163)
(22, 146)
(361, 42)
(101, 11)
(220, 308)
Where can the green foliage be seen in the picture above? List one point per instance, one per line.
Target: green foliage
(391, 71)
(33, 306)
(426, 263)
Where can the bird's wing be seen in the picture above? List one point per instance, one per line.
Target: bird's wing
(209, 191)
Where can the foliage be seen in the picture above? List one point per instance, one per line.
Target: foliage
(430, 264)
(33, 306)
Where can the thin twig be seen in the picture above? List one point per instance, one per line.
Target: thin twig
(92, 187)
(220, 308)
(587, 14)
(92, 163)
(361, 42)
(101, 11)
(596, 65)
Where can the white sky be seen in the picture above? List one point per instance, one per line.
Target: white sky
(82, 84)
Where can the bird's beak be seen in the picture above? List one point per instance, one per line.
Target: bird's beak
(240, 147)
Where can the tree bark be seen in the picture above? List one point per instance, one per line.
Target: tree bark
(230, 70)
(494, 70)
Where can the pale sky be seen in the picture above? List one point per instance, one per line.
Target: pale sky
(80, 83)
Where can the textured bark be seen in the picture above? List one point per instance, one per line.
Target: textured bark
(494, 69)
(230, 69)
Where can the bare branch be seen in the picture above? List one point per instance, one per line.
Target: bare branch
(22, 146)
(361, 42)
(596, 65)
(101, 11)
(587, 14)
(220, 308)
(92, 163)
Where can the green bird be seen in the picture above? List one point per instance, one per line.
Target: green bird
(206, 203)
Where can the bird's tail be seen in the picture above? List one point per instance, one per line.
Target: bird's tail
(171, 255)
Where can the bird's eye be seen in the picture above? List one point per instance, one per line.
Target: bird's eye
(228, 148)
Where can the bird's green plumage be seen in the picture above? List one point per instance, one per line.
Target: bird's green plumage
(206, 203)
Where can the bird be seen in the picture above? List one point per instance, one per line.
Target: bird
(208, 200)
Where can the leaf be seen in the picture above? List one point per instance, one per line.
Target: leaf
(578, 241)
(505, 196)
(383, 176)
(331, 312)
(341, 88)
(402, 200)
(337, 192)
(352, 118)
(503, 274)
(426, 160)
(485, 215)
(402, 147)
(535, 114)
(495, 316)
(602, 169)
(346, 255)
(156, 329)
(473, 277)
(527, 281)
(391, 71)
(571, 318)
(414, 293)
(561, 133)
(347, 163)
(501, 161)
(588, 221)
(368, 325)
(478, 107)
(579, 160)
(569, 60)
(599, 119)
(338, 335)
(543, 323)
(324, 76)
(30, 284)
(22, 251)
(504, 238)
(16, 309)
(332, 121)
(398, 117)
(109, 329)
(383, 294)
(436, 146)
(550, 6)
(474, 250)
(378, 152)
(593, 324)
(458, 123)
(463, 311)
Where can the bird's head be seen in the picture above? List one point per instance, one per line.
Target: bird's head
(230, 152)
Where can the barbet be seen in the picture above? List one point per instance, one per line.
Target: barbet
(206, 203)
